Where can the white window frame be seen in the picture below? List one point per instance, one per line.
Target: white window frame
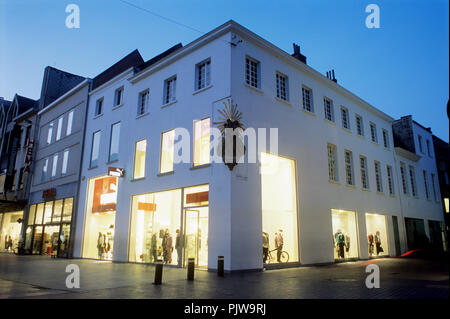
(69, 123)
(118, 96)
(55, 164)
(420, 140)
(412, 178)
(114, 126)
(99, 107)
(50, 132)
(329, 112)
(170, 87)
(65, 162)
(143, 101)
(161, 151)
(282, 86)
(386, 138)
(425, 183)
(390, 180)
(364, 173)
(345, 118)
(308, 91)
(373, 132)
(332, 163)
(349, 173)
(93, 150)
(360, 127)
(203, 74)
(403, 176)
(44, 172)
(145, 158)
(378, 177)
(59, 128)
(252, 72)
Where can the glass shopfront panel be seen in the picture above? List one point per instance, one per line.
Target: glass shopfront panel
(377, 235)
(10, 231)
(50, 240)
(344, 234)
(279, 209)
(37, 240)
(64, 237)
(100, 218)
(156, 227)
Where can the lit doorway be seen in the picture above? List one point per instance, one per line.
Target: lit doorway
(196, 236)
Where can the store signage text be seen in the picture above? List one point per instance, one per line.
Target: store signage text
(29, 156)
(116, 171)
(51, 192)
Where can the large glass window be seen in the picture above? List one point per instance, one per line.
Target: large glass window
(59, 128)
(69, 123)
(155, 227)
(114, 145)
(377, 235)
(10, 231)
(100, 218)
(139, 159)
(48, 210)
(95, 148)
(344, 234)
(279, 209)
(167, 151)
(201, 142)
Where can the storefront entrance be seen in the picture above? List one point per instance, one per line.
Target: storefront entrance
(344, 234)
(196, 231)
(377, 235)
(48, 228)
(10, 231)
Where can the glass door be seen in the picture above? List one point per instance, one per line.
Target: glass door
(196, 236)
(64, 236)
(50, 240)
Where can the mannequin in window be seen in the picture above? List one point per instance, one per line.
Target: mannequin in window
(347, 243)
(167, 247)
(177, 245)
(100, 245)
(340, 243)
(153, 248)
(279, 244)
(265, 244)
(370, 242)
(379, 249)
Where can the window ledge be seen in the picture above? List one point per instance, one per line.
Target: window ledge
(112, 162)
(137, 179)
(361, 137)
(380, 193)
(329, 122)
(200, 166)
(166, 173)
(375, 143)
(115, 107)
(309, 113)
(168, 104)
(387, 149)
(97, 116)
(334, 182)
(142, 115)
(93, 167)
(350, 186)
(253, 88)
(283, 101)
(347, 130)
(392, 196)
(202, 89)
(365, 189)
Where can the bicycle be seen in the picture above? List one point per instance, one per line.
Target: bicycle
(284, 258)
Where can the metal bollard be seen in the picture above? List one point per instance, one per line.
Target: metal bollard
(190, 269)
(220, 266)
(158, 272)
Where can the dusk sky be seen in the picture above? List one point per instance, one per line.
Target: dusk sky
(401, 68)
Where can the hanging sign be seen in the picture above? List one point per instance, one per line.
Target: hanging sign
(116, 171)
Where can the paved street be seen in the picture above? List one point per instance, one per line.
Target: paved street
(43, 277)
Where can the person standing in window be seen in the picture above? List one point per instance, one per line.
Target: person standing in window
(265, 244)
(378, 247)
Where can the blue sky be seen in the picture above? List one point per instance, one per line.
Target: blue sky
(401, 68)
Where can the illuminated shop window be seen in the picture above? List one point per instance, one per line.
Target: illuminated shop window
(10, 231)
(48, 210)
(377, 235)
(57, 211)
(100, 218)
(345, 235)
(167, 147)
(31, 214)
(279, 209)
(139, 159)
(201, 142)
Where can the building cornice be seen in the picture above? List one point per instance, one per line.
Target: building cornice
(113, 80)
(407, 154)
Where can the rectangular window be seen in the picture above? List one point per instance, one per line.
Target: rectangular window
(378, 177)
(332, 165)
(385, 138)
(54, 165)
(364, 175)
(95, 148)
(252, 72)
(373, 132)
(143, 102)
(425, 183)
(59, 128)
(345, 118)
(44, 170)
(203, 74)
(390, 180)
(328, 109)
(65, 161)
(349, 168)
(359, 125)
(118, 96)
(69, 123)
(170, 90)
(50, 133)
(429, 148)
(167, 151)
(282, 86)
(404, 181)
(21, 178)
(114, 143)
(307, 99)
(139, 159)
(433, 184)
(98, 107)
(412, 177)
(420, 143)
(201, 142)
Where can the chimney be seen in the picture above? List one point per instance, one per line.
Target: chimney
(330, 75)
(297, 53)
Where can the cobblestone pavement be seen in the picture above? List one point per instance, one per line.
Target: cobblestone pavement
(43, 277)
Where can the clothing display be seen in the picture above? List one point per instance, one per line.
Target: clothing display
(265, 245)
(339, 238)
(279, 244)
(378, 247)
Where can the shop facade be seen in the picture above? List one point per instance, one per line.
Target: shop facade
(10, 228)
